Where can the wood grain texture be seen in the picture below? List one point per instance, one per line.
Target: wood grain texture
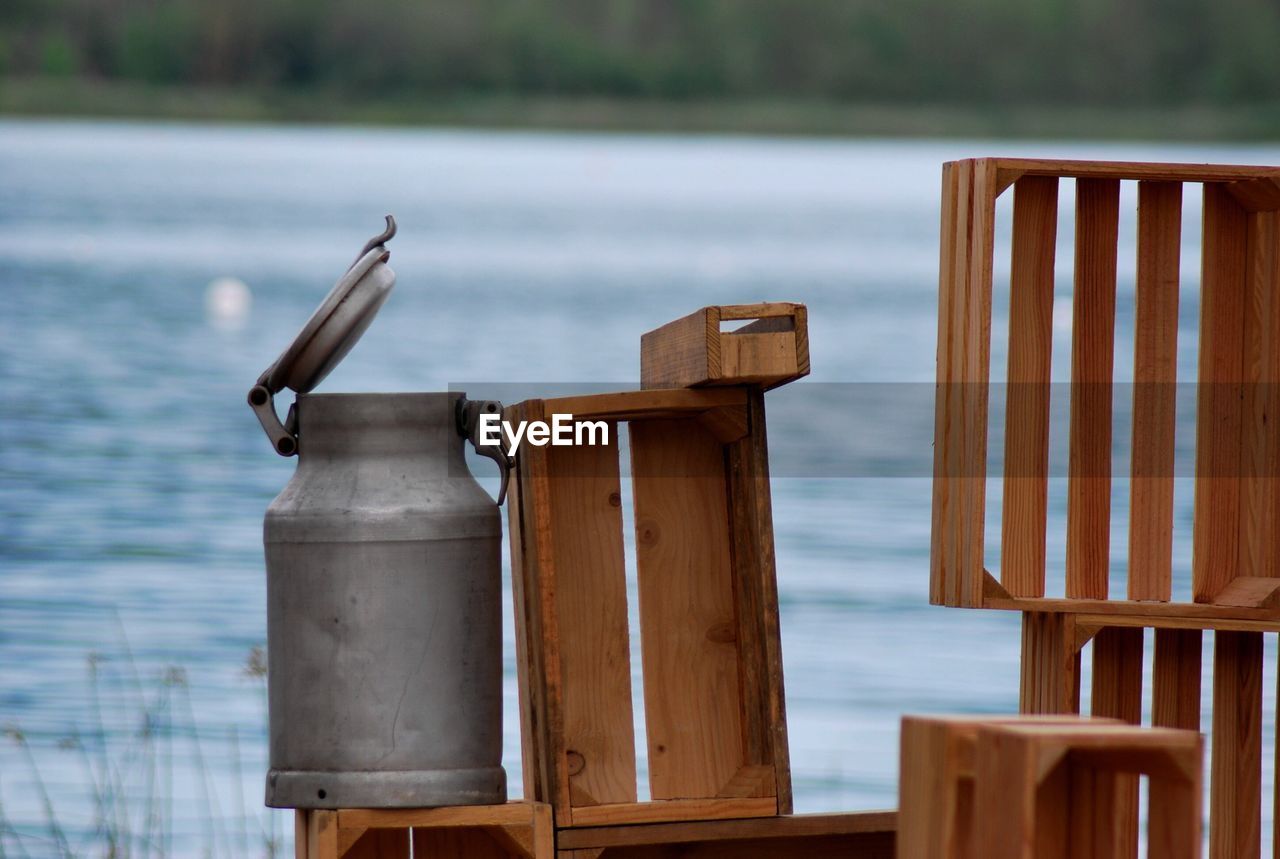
(1175, 696)
(1026, 458)
(1073, 169)
(454, 843)
(684, 832)
(1215, 547)
(591, 604)
(872, 845)
(665, 811)
(1154, 391)
(687, 617)
(1235, 792)
(964, 358)
(677, 352)
(1092, 362)
(755, 589)
(1050, 680)
(1260, 410)
(382, 844)
(635, 405)
(694, 350)
(1117, 693)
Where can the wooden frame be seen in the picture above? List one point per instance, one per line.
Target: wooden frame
(517, 830)
(694, 350)
(713, 693)
(1236, 559)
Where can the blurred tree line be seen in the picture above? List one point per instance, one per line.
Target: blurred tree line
(1153, 52)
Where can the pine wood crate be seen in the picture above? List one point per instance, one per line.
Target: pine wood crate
(1235, 559)
(708, 619)
(697, 350)
(516, 830)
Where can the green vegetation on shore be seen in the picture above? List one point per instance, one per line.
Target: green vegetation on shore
(1170, 69)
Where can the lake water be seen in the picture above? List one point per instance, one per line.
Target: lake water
(133, 478)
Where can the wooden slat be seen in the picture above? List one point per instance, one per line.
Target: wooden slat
(1092, 358)
(688, 626)
(1260, 442)
(764, 716)
(594, 644)
(528, 674)
(1171, 172)
(665, 811)
(1026, 463)
(535, 599)
(1175, 697)
(790, 826)
(1154, 614)
(1117, 693)
(382, 844)
(1215, 555)
(1236, 782)
(1154, 391)
(964, 357)
(633, 405)
(453, 843)
(1050, 664)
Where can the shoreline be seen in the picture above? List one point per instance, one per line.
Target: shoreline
(76, 98)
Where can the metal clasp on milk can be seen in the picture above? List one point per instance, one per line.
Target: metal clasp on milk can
(384, 634)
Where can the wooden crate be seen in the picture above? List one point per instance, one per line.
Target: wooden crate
(1048, 791)
(516, 830)
(936, 782)
(708, 619)
(697, 350)
(1235, 573)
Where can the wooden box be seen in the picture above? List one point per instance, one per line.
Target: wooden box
(697, 350)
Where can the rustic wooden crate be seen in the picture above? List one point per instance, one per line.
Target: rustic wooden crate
(713, 696)
(516, 830)
(1235, 572)
(695, 350)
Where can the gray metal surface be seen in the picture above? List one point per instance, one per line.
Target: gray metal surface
(383, 612)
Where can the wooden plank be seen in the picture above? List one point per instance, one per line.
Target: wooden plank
(529, 673)
(509, 814)
(594, 645)
(380, 844)
(454, 843)
(788, 826)
(764, 716)
(300, 834)
(1026, 462)
(1215, 555)
(964, 358)
(872, 845)
(673, 810)
(683, 350)
(1164, 172)
(1235, 794)
(1117, 693)
(1154, 391)
(688, 626)
(1260, 443)
(1188, 615)
(1092, 360)
(761, 310)
(1050, 681)
(535, 596)
(1175, 697)
(322, 834)
(634, 405)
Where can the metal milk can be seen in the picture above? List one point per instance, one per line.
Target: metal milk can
(384, 648)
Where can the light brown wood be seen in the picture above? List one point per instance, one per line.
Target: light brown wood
(455, 843)
(695, 350)
(688, 625)
(1026, 461)
(1117, 693)
(322, 835)
(1154, 391)
(382, 844)
(591, 603)
(511, 813)
(1170, 172)
(1092, 361)
(964, 358)
(786, 826)
(1235, 793)
(673, 810)
(1260, 443)
(1045, 790)
(1252, 591)
(1215, 554)
(637, 405)
(1153, 614)
(755, 590)
(1175, 697)
(1050, 664)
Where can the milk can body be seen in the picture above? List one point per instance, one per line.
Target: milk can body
(383, 612)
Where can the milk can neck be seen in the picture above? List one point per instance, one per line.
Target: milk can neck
(414, 426)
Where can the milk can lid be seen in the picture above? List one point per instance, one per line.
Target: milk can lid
(338, 322)
(326, 338)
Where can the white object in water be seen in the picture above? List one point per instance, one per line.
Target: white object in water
(227, 301)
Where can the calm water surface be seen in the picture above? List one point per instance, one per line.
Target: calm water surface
(133, 478)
